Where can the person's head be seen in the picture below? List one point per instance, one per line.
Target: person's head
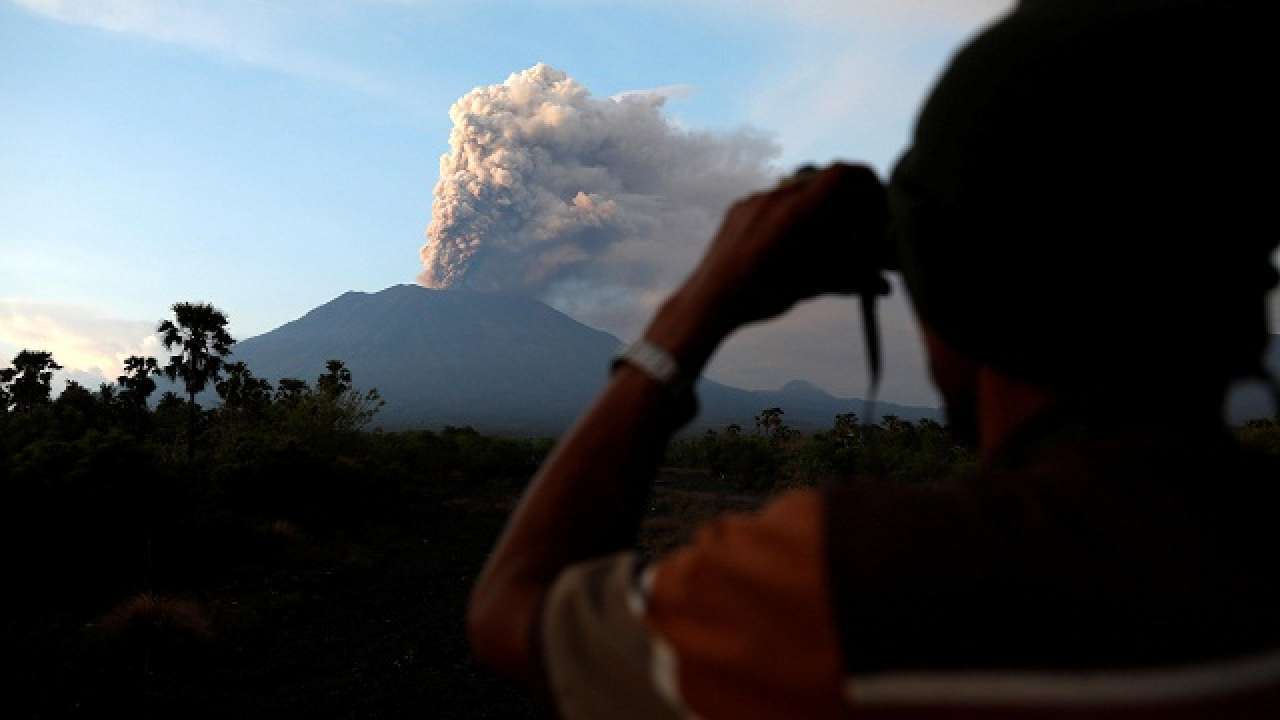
(1079, 208)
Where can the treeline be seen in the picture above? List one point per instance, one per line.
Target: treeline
(112, 491)
(772, 454)
(113, 488)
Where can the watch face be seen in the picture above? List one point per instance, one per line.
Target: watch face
(653, 360)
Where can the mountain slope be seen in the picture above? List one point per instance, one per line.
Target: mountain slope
(499, 362)
(445, 357)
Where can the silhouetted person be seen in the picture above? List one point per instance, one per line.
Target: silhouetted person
(1080, 228)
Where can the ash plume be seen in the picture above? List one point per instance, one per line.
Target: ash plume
(596, 205)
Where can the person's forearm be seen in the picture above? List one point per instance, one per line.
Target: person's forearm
(588, 498)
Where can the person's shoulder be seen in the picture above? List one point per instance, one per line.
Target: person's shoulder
(744, 614)
(776, 554)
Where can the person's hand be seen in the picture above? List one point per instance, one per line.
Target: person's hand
(814, 234)
(820, 232)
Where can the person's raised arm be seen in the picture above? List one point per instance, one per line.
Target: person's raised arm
(773, 250)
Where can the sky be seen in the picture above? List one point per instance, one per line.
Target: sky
(268, 157)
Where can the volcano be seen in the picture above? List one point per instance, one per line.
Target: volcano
(500, 363)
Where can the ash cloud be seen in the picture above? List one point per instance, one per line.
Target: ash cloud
(596, 205)
(601, 206)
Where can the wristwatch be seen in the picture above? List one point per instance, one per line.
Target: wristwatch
(660, 366)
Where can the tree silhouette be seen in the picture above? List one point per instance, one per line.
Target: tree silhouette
(199, 331)
(108, 395)
(337, 404)
(845, 429)
(27, 384)
(241, 390)
(289, 391)
(769, 423)
(75, 395)
(168, 410)
(335, 381)
(76, 409)
(136, 384)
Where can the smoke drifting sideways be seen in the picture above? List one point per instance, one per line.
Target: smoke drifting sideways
(598, 206)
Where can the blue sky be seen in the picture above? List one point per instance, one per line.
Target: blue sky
(269, 156)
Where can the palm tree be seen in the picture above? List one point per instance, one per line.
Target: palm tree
(136, 384)
(28, 383)
(199, 331)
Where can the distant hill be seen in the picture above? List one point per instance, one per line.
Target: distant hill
(498, 362)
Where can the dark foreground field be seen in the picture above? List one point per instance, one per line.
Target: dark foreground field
(356, 623)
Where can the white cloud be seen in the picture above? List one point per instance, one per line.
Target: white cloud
(174, 22)
(255, 33)
(83, 342)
